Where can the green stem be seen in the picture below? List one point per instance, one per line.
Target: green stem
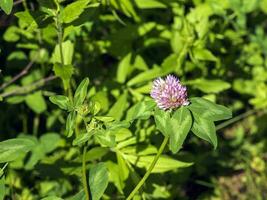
(25, 5)
(60, 41)
(151, 167)
(84, 174)
(59, 36)
(237, 118)
(59, 30)
(36, 122)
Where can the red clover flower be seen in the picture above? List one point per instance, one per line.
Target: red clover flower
(169, 93)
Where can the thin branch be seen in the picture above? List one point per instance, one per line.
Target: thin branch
(18, 2)
(22, 73)
(239, 117)
(28, 88)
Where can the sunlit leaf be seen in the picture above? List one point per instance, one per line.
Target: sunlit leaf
(2, 187)
(67, 51)
(81, 92)
(141, 110)
(98, 180)
(181, 122)
(6, 5)
(164, 163)
(147, 4)
(70, 123)
(205, 129)
(36, 102)
(209, 86)
(209, 110)
(11, 149)
(74, 10)
(64, 72)
(162, 120)
(118, 108)
(61, 101)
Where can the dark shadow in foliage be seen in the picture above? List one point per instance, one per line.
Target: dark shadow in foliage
(55, 169)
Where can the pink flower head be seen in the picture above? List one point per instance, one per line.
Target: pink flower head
(169, 93)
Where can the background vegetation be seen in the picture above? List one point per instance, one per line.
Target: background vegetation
(218, 49)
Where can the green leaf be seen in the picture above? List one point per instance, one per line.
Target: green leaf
(115, 175)
(118, 108)
(162, 119)
(205, 129)
(81, 92)
(98, 180)
(123, 170)
(94, 107)
(11, 34)
(139, 62)
(2, 187)
(82, 138)
(124, 68)
(37, 153)
(146, 76)
(6, 6)
(70, 123)
(51, 198)
(11, 149)
(100, 100)
(132, 140)
(61, 101)
(79, 196)
(27, 20)
(147, 4)
(117, 125)
(141, 110)
(209, 110)
(126, 6)
(170, 63)
(68, 50)
(106, 138)
(182, 122)
(74, 10)
(49, 141)
(203, 54)
(64, 72)
(144, 150)
(96, 153)
(36, 102)
(164, 163)
(209, 86)
(105, 118)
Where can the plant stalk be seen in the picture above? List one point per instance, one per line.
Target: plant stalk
(151, 167)
(237, 118)
(84, 174)
(59, 29)
(59, 33)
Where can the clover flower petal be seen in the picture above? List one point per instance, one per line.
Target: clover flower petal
(169, 93)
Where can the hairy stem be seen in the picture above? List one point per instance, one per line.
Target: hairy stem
(151, 167)
(59, 33)
(84, 174)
